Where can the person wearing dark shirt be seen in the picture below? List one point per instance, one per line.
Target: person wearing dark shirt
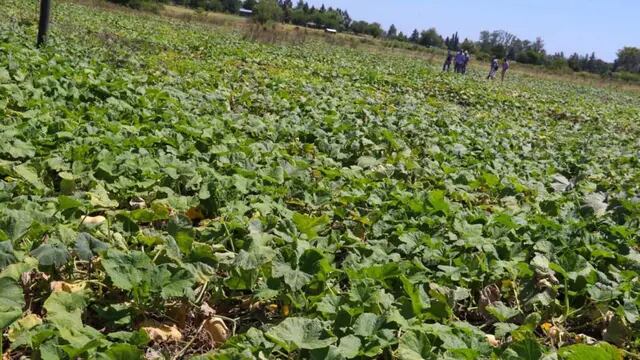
(466, 62)
(459, 62)
(447, 63)
(494, 69)
(505, 67)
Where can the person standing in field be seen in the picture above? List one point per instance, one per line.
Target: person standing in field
(505, 67)
(459, 62)
(466, 62)
(494, 68)
(447, 63)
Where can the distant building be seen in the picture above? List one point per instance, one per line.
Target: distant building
(312, 25)
(245, 12)
(331, 31)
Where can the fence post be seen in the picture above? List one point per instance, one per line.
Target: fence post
(43, 27)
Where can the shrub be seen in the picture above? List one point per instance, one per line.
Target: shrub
(267, 10)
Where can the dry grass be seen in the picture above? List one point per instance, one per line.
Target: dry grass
(276, 33)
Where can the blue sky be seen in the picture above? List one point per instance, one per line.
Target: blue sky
(582, 26)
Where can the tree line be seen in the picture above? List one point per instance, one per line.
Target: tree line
(491, 44)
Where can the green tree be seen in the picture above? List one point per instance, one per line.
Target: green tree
(267, 10)
(415, 36)
(393, 32)
(249, 4)
(628, 60)
(431, 38)
(468, 45)
(231, 6)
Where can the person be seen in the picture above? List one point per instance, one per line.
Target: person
(494, 68)
(459, 61)
(505, 67)
(466, 62)
(447, 63)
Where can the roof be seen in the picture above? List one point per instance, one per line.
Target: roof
(245, 11)
(331, 30)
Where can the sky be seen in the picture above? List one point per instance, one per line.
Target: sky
(583, 26)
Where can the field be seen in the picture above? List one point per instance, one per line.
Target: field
(170, 189)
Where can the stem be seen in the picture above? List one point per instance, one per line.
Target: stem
(567, 308)
(193, 338)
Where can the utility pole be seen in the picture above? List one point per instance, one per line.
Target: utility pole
(43, 28)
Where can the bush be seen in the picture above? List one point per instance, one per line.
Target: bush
(626, 76)
(145, 5)
(267, 10)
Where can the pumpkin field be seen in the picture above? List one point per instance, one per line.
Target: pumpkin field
(175, 190)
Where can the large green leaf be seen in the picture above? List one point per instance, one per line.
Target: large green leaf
(300, 333)
(415, 345)
(51, 254)
(11, 301)
(601, 351)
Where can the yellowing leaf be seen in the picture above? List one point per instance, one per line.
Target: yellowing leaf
(161, 333)
(61, 286)
(26, 323)
(217, 329)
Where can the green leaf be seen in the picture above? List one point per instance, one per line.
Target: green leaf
(438, 201)
(600, 351)
(67, 202)
(596, 202)
(295, 279)
(87, 246)
(127, 270)
(367, 162)
(501, 312)
(51, 254)
(123, 352)
(310, 226)
(527, 349)
(349, 346)
(99, 198)
(7, 256)
(11, 301)
(30, 175)
(414, 345)
(15, 223)
(367, 325)
(300, 333)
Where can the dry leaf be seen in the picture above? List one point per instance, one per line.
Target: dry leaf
(93, 220)
(195, 214)
(217, 329)
(61, 286)
(161, 332)
(207, 310)
(178, 312)
(488, 296)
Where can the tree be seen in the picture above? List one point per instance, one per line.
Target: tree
(628, 60)
(393, 32)
(249, 4)
(267, 10)
(468, 45)
(415, 36)
(287, 10)
(231, 6)
(431, 38)
(453, 42)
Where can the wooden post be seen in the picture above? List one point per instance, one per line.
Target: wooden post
(43, 28)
